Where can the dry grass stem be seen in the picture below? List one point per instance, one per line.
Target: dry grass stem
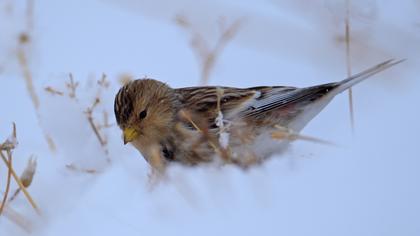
(24, 39)
(50, 141)
(13, 216)
(219, 94)
(102, 140)
(27, 175)
(284, 133)
(223, 130)
(188, 117)
(53, 91)
(103, 82)
(29, 172)
(10, 142)
(28, 77)
(72, 167)
(206, 54)
(16, 178)
(105, 124)
(205, 137)
(72, 86)
(348, 61)
(7, 146)
(18, 219)
(9, 173)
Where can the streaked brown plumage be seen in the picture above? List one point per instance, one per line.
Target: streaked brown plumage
(182, 124)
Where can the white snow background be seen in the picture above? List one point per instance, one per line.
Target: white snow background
(368, 185)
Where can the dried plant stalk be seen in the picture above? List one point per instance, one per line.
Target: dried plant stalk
(284, 133)
(208, 56)
(72, 86)
(87, 171)
(27, 75)
(53, 91)
(103, 82)
(105, 123)
(50, 141)
(29, 172)
(28, 78)
(11, 142)
(102, 141)
(188, 117)
(16, 178)
(348, 61)
(27, 175)
(18, 219)
(223, 130)
(9, 173)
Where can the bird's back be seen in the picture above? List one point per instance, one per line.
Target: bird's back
(250, 115)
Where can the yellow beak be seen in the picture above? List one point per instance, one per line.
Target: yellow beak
(130, 135)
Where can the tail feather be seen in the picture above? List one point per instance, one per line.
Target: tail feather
(313, 99)
(354, 79)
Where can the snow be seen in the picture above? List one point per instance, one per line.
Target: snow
(368, 185)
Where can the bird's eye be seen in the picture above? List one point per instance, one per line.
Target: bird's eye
(143, 114)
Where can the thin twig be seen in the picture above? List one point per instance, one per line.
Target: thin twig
(72, 86)
(24, 39)
(103, 82)
(75, 168)
(208, 56)
(215, 147)
(105, 123)
(287, 134)
(16, 178)
(9, 173)
(210, 60)
(28, 77)
(53, 91)
(89, 114)
(348, 62)
(223, 130)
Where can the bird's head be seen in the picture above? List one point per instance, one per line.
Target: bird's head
(145, 111)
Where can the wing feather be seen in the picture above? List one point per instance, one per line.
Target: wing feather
(265, 102)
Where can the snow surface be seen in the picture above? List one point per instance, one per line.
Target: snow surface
(368, 185)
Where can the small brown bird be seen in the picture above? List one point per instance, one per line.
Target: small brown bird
(199, 124)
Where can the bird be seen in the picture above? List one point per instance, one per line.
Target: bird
(204, 124)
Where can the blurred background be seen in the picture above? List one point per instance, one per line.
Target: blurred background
(61, 63)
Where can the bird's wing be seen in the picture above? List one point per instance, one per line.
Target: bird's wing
(254, 102)
(261, 104)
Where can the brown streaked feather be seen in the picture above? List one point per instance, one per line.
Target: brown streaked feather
(261, 103)
(254, 104)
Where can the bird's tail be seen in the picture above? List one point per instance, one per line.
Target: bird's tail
(314, 99)
(354, 79)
